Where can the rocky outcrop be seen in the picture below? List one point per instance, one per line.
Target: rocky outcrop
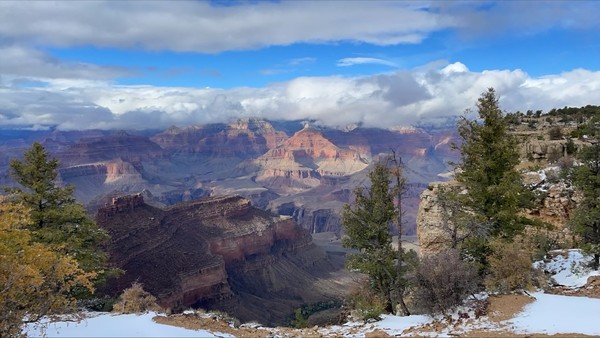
(433, 223)
(555, 203)
(216, 253)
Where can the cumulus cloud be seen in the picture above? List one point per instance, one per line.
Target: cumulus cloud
(385, 100)
(200, 27)
(346, 62)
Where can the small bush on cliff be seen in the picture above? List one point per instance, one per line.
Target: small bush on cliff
(136, 300)
(442, 281)
(510, 267)
(555, 133)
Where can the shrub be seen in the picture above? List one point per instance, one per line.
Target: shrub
(554, 155)
(570, 146)
(555, 133)
(136, 300)
(365, 304)
(442, 281)
(510, 266)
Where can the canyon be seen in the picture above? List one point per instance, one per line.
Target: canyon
(220, 253)
(292, 168)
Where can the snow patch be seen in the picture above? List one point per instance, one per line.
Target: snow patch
(113, 325)
(554, 314)
(569, 268)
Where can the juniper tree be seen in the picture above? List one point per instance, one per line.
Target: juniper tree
(494, 191)
(367, 227)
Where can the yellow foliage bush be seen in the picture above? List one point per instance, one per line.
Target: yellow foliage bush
(136, 300)
(510, 266)
(34, 280)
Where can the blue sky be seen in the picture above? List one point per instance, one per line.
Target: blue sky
(137, 64)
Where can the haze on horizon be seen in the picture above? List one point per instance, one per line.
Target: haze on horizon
(152, 64)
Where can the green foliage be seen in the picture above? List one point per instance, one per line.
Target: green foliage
(366, 304)
(302, 314)
(56, 218)
(299, 321)
(495, 193)
(367, 227)
(35, 280)
(570, 146)
(589, 110)
(586, 177)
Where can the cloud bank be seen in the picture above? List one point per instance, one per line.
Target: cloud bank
(198, 26)
(385, 100)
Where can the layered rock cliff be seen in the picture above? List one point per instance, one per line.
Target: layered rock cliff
(301, 161)
(217, 253)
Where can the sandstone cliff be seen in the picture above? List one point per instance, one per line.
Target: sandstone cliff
(217, 253)
(300, 161)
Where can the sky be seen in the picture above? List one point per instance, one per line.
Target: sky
(152, 64)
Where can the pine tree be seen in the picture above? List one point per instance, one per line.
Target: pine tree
(489, 154)
(586, 178)
(367, 227)
(56, 217)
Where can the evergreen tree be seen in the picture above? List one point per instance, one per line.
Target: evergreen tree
(367, 227)
(489, 154)
(56, 218)
(494, 191)
(586, 178)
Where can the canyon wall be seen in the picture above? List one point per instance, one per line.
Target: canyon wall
(217, 253)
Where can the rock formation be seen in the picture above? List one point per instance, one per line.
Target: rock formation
(554, 205)
(303, 159)
(217, 253)
(433, 223)
(314, 170)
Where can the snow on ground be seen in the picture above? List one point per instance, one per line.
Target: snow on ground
(553, 314)
(112, 325)
(571, 271)
(548, 314)
(394, 325)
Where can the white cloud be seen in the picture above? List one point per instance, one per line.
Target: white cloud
(346, 62)
(197, 26)
(384, 100)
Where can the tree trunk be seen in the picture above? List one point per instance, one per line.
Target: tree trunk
(400, 184)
